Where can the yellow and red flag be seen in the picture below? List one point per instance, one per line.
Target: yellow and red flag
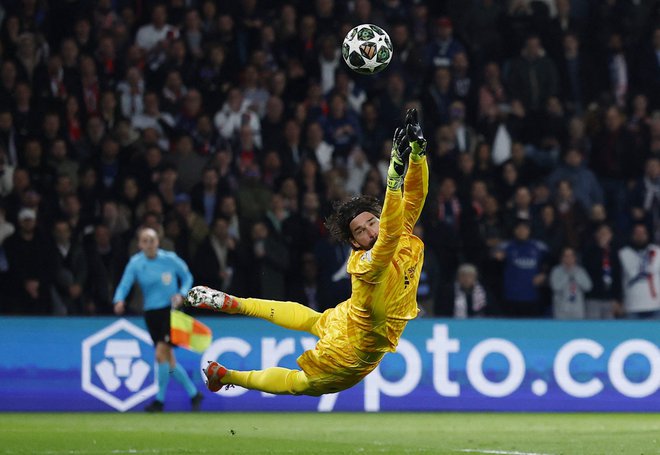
(187, 332)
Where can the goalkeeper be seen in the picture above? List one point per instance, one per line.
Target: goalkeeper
(385, 266)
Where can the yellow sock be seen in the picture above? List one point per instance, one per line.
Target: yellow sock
(290, 315)
(276, 380)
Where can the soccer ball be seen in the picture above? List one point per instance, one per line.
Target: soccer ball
(367, 49)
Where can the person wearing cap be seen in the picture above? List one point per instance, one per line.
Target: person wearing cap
(29, 266)
(442, 48)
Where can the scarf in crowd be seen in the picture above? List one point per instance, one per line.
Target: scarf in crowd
(468, 304)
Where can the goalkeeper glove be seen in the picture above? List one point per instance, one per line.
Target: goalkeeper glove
(415, 135)
(398, 158)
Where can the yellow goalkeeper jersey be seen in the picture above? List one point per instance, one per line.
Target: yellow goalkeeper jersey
(384, 289)
(385, 278)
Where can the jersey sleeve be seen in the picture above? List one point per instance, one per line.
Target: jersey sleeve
(374, 262)
(415, 189)
(126, 282)
(183, 272)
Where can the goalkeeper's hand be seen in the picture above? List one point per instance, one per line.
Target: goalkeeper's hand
(398, 158)
(415, 135)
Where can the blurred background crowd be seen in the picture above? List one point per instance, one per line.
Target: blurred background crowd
(232, 127)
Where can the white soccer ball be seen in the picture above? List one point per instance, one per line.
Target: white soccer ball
(367, 49)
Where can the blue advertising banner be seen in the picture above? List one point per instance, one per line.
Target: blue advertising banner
(107, 364)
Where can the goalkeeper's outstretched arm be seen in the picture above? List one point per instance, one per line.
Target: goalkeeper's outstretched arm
(416, 184)
(391, 219)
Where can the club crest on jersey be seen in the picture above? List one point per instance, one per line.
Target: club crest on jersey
(166, 278)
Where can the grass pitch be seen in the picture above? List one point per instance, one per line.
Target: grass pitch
(302, 433)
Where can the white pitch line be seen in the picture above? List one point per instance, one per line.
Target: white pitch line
(502, 452)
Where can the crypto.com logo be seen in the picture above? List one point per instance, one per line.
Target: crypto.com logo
(117, 361)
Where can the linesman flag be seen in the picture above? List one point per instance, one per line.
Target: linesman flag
(187, 332)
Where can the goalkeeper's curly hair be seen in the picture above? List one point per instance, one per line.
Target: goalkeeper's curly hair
(338, 224)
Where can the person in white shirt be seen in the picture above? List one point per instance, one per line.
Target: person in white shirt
(640, 271)
(152, 117)
(131, 93)
(151, 35)
(235, 113)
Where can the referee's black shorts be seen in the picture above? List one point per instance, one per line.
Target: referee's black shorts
(158, 324)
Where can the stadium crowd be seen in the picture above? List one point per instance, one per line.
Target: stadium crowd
(232, 127)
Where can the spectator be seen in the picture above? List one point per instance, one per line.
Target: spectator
(444, 46)
(306, 290)
(319, 148)
(644, 199)
(215, 262)
(8, 136)
(354, 95)
(408, 59)
(189, 163)
(152, 117)
(390, 104)
(253, 195)
(521, 209)
(155, 34)
(602, 263)
(8, 80)
(524, 272)
(617, 69)
(527, 170)
(640, 272)
(466, 297)
(131, 93)
(549, 229)
(173, 93)
(29, 267)
(6, 230)
(492, 94)
(614, 159)
(533, 76)
(25, 116)
(373, 133)
(265, 262)
(438, 97)
(576, 75)
(442, 224)
(466, 136)
(272, 123)
(463, 84)
(586, 188)
(341, 127)
(71, 270)
(569, 282)
(571, 213)
(235, 113)
(649, 67)
(6, 175)
(292, 151)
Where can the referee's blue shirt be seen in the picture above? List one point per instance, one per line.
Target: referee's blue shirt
(160, 278)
